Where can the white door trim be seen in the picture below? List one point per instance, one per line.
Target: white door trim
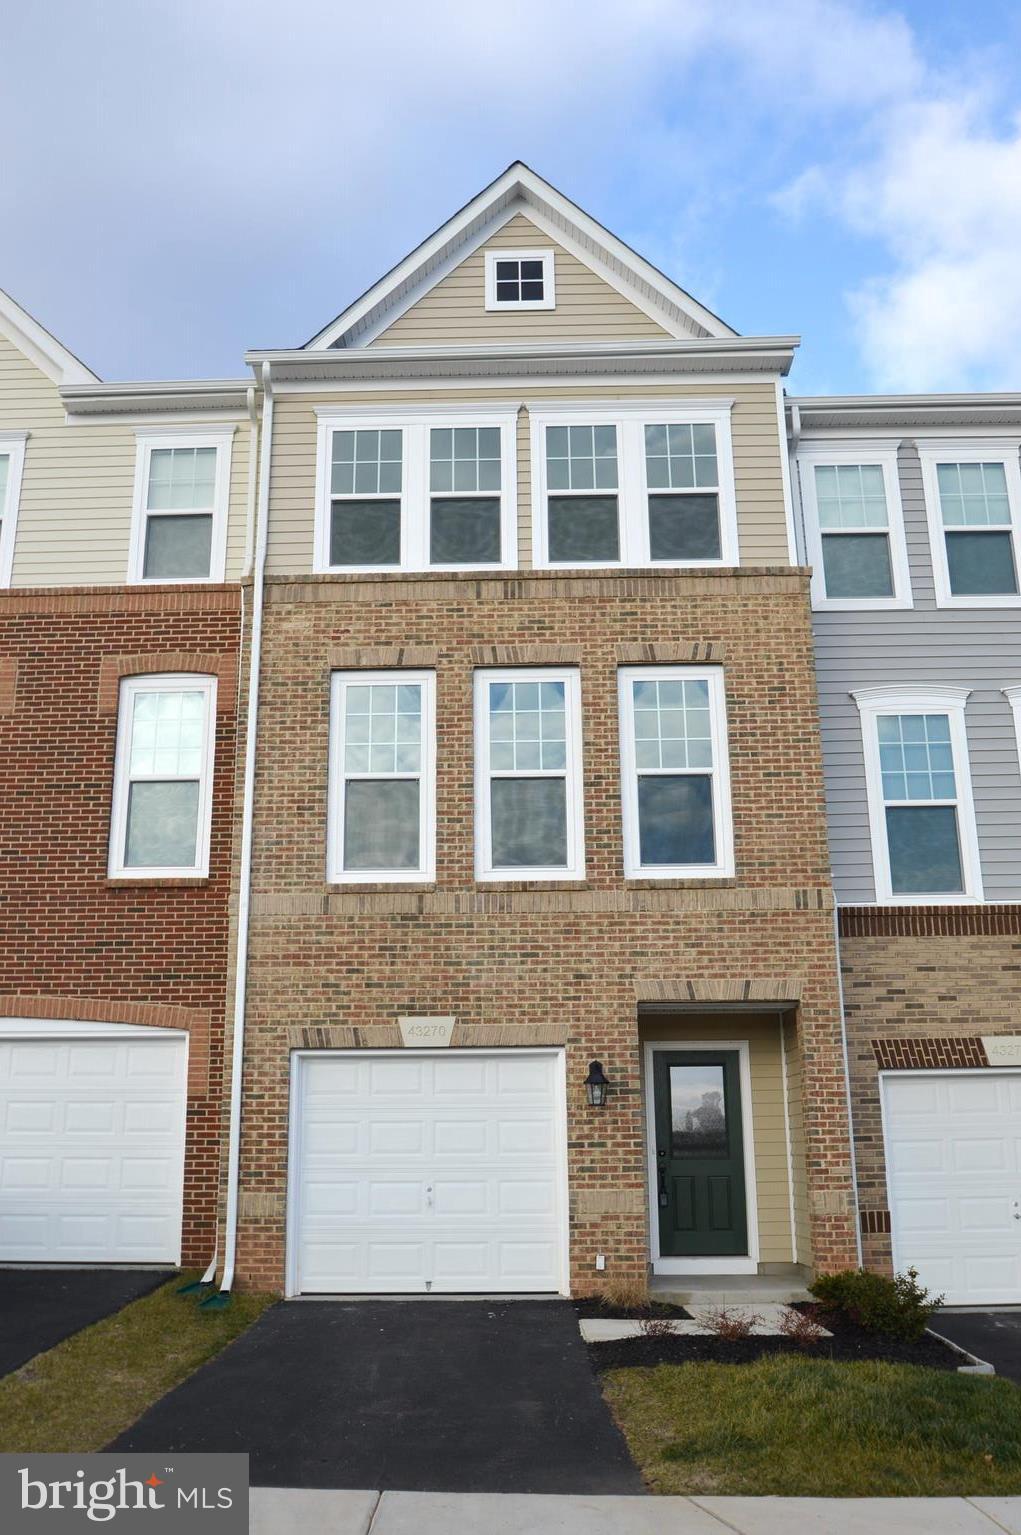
(743, 1265)
(559, 1125)
(931, 1071)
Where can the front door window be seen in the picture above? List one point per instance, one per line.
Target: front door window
(699, 1154)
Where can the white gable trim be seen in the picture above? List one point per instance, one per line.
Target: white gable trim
(520, 190)
(40, 347)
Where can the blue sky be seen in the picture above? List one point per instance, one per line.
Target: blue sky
(182, 179)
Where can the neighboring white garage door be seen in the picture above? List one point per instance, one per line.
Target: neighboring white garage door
(92, 1146)
(953, 1157)
(414, 1172)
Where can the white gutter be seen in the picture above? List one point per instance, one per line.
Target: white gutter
(847, 1089)
(245, 894)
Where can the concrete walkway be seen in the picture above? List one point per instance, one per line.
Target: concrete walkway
(280, 1511)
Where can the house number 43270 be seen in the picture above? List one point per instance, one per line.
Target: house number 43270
(426, 1031)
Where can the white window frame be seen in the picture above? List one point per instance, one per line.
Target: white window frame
(570, 676)
(969, 450)
(12, 447)
(170, 682)
(630, 419)
(336, 874)
(415, 492)
(811, 456)
(153, 438)
(872, 704)
(549, 298)
(723, 826)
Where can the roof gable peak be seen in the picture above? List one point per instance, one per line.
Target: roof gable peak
(520, 190)
(40, 347)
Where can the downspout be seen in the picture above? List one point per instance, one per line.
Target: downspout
(245, 890)
(251, 401)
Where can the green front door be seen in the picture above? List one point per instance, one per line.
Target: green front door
(700, 1176)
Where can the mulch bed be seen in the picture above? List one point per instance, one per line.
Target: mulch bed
(595, 1306)
(847, 1343)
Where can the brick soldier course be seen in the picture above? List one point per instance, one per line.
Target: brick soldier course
(543, 963)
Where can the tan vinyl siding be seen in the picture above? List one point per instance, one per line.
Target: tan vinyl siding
(762, 525)
(795, 1109)
(772, 1187)
(74, 522)
(587, 307)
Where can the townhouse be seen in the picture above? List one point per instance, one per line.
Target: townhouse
(910, 517)
(123, 524)
(538, 799)
(494, 796)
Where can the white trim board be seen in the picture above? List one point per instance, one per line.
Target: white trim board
(12, 447)
(679, 1266)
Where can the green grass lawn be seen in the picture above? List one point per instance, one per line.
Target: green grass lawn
(819, 1428)
(81, 1394)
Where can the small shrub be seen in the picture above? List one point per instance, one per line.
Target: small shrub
(727, 1324)
(899, 1307)
(626, 1294)
(800, 1327)
(656, 1327)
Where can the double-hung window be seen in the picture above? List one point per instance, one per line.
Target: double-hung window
(921, 813)
(403, 492)
(12, 460)
(634, 485)
(179, 523)
(854, 526)
(528, 799)
(382, 820)
(973, 500)
(674, 772)
(163, 777)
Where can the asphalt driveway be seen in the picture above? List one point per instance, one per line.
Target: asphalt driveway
(425, 1395)
(40, 1307)
(994, 1336)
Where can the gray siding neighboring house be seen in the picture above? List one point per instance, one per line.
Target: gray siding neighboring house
(977, 648)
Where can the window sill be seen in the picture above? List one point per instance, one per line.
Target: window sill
(158, 881)
(682, 882)
(379, 886)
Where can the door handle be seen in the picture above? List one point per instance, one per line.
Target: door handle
(664, 1198)
(1016, 1209)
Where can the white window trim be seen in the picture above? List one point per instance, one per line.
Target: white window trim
(12, 446)
(170, 683)
(969, 450)
(573, 777)
(920, 699)
(549, 298)
(723, 828)
(630, 419)
(809, 458)
(336, 874)
(174, 437)
(415, 492)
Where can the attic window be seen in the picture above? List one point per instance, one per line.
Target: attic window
(519, 279)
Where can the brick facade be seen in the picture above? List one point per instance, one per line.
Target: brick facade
(74, 944)
(522, 962)
(912, 1000)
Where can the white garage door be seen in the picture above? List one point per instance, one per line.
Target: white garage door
(415, 1172)
(953, 1156)
(92, 1148)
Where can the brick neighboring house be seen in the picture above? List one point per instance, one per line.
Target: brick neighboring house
(122, 536)
(538, 785)
(918, 655)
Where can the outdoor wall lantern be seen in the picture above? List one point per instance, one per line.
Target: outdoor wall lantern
(596, 1084)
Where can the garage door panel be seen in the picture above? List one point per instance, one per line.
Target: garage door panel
(952, 1160)
(92, 1149)
(444, 1177)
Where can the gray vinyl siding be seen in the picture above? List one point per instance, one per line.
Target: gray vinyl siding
(977, 648)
